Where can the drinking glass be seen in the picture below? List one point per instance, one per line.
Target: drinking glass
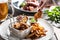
(4, 5)
(3, 9)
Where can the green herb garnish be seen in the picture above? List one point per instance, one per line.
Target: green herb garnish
(32, 20)
(22, 4)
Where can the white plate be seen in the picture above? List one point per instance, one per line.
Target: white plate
(17, 3)
(4, 29)
(45, 16)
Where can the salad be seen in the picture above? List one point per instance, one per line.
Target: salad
(54, 14)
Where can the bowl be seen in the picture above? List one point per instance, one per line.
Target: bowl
(19, 33)
(16, 4)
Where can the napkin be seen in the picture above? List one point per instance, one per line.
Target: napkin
(4, 30)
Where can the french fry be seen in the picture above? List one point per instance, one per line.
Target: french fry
(37, 31)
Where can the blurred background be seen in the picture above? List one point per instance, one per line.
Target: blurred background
(47, 5)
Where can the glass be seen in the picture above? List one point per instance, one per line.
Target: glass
(3, 9)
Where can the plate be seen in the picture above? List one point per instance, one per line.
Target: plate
(17, 3)
(13, 37)
(45, 16)
(5, 32)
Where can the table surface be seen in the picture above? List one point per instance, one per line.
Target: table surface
(57, 31)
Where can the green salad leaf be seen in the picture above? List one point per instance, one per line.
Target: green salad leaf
(32, 20)
(54, 14)
(22, 4)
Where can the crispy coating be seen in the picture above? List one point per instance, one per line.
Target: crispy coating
(38, 14)
(36, 31)
(21, 24)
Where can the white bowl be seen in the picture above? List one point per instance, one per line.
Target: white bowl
(16, 4)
